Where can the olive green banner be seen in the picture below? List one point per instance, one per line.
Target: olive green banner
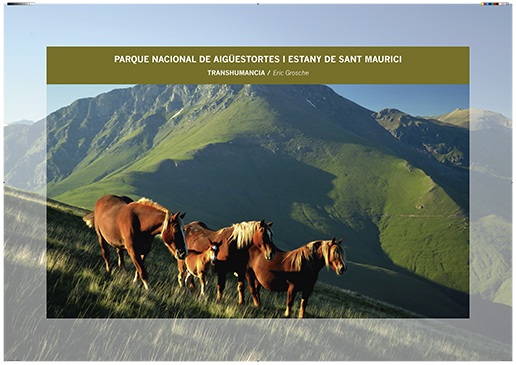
(258, 65)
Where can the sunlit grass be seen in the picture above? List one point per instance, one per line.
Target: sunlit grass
(78, 287)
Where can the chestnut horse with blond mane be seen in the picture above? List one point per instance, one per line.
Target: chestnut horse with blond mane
(294, 271)
(234, 243)
(132, 226)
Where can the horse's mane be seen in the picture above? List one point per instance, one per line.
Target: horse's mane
(341, 251)
(302, 255)
(243, 233)
(305, 254)
(150, 203)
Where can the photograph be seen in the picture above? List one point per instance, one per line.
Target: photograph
(181, 187)
(392, 186)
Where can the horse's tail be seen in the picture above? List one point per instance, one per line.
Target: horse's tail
(89, 218)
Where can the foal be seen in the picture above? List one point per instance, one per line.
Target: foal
(201, 264)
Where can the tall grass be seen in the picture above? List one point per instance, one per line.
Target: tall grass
(32, 334)
(78, 285)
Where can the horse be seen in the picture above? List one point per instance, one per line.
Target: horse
(234, 243)
(132, 226)
(201, 264)
(294, 271)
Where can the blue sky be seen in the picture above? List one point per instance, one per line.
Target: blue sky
(417, 100)
(486, 30)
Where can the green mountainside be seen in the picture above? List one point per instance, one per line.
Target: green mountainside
(313, 162)
(24, 155)
(491, 185)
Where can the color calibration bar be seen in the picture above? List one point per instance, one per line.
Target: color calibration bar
(495, 3)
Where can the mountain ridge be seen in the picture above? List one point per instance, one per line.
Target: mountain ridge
(445, 142)
(312, 161)
(475, 119)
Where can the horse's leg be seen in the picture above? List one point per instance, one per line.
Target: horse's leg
(121, 261)
(258, 286)
(304, 300)
(135, 279)
(181, 265)
(241, 278)
(189, 280)
(221, 285)
(138, 263)
(136, 274)
(105, 251)
(182, 268)
(203, 282)
(290, 299)
(251, 279)
(136, 271)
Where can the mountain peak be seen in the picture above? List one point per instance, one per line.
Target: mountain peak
(447, 144)
(476, 119)
(23, 122)
(387, 112)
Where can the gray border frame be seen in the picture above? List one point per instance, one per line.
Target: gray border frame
(29, 336)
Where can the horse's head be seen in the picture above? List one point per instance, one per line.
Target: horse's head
(336, 256)
(212, 251)
(173, 235)
(263, 240)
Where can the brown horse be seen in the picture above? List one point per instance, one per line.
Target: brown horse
(201, 264)
(132, 226)
(235, 242)
(294, 271)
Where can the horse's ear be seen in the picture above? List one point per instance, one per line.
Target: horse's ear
(340, 241)
(174, 217)
(270, 224)
(262, 223)
(182, 215)
(333, 240)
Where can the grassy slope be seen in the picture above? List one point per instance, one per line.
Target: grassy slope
(30, 336)
(79, 287)
(491, 265)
